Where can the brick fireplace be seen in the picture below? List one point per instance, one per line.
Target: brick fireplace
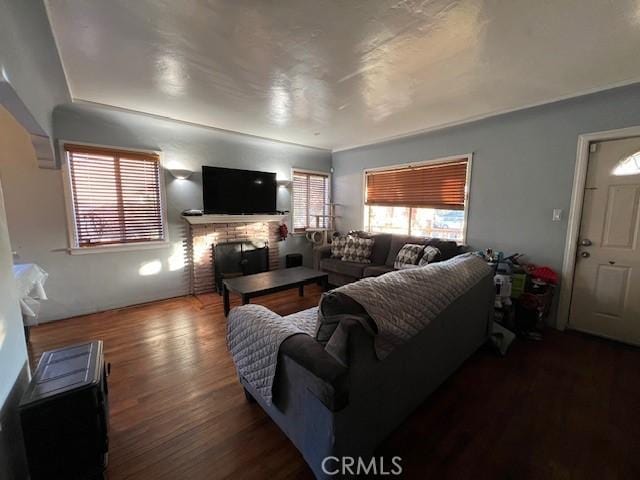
(206, 231)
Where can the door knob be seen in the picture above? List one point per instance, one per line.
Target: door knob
(585, 254)
(586, 242)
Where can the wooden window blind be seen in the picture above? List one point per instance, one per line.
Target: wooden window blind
(439, 186)
(116, 196)
(310, 200)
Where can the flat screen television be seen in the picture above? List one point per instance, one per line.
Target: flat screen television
(232, 191)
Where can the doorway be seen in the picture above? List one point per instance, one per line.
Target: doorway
(605, 297)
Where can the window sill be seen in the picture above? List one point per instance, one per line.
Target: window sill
(119, 247)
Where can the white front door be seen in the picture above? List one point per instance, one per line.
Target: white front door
(606, 288)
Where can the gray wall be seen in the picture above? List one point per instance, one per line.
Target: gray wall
(30, 62)
(14, 372)
(13, 352)
(81, 284)
(29, 58)
(522, 169)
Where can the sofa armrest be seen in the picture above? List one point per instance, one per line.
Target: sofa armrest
(463, 248)
(326, 378)
(319, 253)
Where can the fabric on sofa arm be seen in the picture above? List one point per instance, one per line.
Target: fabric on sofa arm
(327, 379)
(419, 293)
(334, 312)
(254, 337)
(336, 265)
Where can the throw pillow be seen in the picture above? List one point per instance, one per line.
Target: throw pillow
(430, 255)
(358, 250)
(337, 246)
(332, 306)
(409, 254)
(326, 326)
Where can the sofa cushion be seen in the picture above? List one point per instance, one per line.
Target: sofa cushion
(358, 250)
(397, 242)
(376, 270)
(448, 248)
(408, 255)
(336, 265)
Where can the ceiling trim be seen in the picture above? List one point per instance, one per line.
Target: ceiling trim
(415, 133)
(79, 101)
(56, 44)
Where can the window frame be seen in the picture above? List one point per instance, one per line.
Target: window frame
(74, 248)
(311, 172)
(436, 161)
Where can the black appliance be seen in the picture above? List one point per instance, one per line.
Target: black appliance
(233, 191)
(293, 260)
(65, 414)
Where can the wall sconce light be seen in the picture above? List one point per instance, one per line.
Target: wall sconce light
(284, 183)
(180, 173)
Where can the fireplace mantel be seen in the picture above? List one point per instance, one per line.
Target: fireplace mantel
(211, 219)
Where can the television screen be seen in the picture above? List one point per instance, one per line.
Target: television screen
(232, 191)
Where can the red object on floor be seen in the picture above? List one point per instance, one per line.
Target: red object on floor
(545, 274)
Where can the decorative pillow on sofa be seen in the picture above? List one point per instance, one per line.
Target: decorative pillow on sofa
(358, 250)
(408, 256)
(337, 246)
(334, 308)
(430, 255)
(332, 305)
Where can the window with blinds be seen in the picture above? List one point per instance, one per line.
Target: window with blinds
(115, 196)
(424, 200)
(310, 200)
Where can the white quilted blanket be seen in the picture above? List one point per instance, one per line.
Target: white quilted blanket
(404, 302)
(254, 336)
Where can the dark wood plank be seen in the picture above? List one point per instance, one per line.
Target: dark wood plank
(568, 407)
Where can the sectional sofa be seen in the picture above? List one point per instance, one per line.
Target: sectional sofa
(332, 409)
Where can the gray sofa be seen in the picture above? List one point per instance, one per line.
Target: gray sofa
(385, 248)
(327, 408)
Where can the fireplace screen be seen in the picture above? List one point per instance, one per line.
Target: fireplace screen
(235, 259)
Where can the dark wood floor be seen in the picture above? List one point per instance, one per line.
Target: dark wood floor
(565, 408)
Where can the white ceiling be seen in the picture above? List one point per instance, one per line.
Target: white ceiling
(339, 73)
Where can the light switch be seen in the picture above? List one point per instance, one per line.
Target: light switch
(557, 214)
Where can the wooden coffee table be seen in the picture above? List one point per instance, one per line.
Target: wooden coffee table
(259, 284)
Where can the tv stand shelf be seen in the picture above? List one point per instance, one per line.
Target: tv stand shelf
(208, 219)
